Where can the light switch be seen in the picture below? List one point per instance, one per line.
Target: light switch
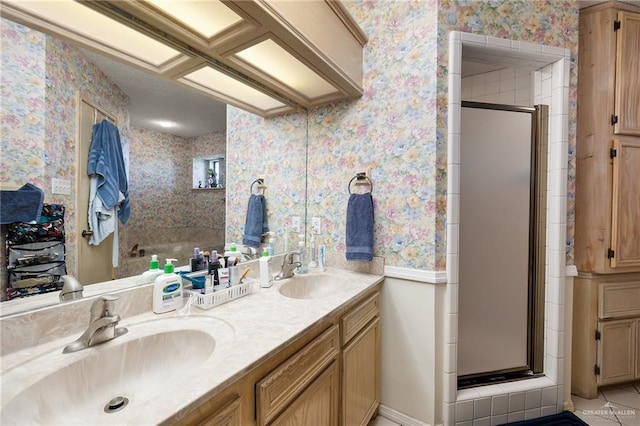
(295, 224)
(60, 186)
(316, 225)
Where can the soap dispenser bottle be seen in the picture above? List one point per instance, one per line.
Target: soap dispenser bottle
(167, 290)
(266, 277)
(153, 272)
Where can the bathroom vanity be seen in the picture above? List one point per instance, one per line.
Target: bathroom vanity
(277, 356)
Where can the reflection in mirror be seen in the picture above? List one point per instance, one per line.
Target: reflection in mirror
(208, 172)
(46, 78)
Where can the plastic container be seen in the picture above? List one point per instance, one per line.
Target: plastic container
(322, 253)
(154, 271)
(304, 267)
(266, 277)
(167, 290)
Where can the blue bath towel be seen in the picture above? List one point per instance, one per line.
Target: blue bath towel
(21, 205)
(360, 227)
(107, 162)
(256, 223)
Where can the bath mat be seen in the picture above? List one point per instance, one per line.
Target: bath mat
(565, 418)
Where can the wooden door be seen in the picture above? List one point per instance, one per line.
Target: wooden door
(616, 351)
(317, 405)
(625, 213)
(361, 376)
(627, 104)
(93, 263)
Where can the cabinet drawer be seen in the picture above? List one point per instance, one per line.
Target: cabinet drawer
(619, 300)
(287, 381)
(359, 317)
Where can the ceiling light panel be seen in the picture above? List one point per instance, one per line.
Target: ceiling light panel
(99, 28)
(218, 82)
(207, 18)
(283, 66)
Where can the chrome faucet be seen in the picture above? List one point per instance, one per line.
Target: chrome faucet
(71, 289)
(289, 264)
(102, 325)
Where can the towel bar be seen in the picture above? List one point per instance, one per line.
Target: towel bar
(361, 179)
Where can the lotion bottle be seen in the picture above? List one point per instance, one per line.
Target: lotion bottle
(167, 290)
(153, 272)
(266, 277)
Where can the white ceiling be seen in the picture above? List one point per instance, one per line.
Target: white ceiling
(153, 98)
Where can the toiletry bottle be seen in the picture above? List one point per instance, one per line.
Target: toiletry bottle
(167, 290)
(322, 253)
(313, 253)
(153, 272)
(302, 258)
(266, 277)
(230, 255)
(193, 262)
(214, 265)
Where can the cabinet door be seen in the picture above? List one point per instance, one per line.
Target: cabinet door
(625, 226)
(627, 71)
(361, 376)
(227, 415)
(317, 405)
(617, 351)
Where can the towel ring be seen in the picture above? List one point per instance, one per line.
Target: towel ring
(361, 179)
(261, 185)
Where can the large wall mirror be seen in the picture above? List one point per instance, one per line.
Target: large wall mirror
(49, 77)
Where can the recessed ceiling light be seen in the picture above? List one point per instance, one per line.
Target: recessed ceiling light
(166, 124)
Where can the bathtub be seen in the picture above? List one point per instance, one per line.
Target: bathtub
(174, 243)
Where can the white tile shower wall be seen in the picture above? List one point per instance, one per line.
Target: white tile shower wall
(540, 396)
(510, 86)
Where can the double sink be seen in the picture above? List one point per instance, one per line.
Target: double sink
(158, 357)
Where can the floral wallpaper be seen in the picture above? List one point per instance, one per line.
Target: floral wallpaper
(397, 131)
(41, 80)
(164, 206)
(549, 22)
(272, 149)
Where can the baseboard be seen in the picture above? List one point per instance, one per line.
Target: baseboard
(420, 275)
(398, 417)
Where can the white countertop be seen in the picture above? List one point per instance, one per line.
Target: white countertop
(250, 330)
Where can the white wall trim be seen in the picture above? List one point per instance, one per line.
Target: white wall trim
(571, 271)
(398, 417)
(420, 275)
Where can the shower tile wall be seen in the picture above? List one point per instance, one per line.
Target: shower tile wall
(506, 86)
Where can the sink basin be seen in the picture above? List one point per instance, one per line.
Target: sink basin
(145, 366)
(314, 286)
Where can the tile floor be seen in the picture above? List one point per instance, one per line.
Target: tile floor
(615, 405)
(381, 421)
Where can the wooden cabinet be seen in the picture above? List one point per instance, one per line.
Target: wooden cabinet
(616, 351)
(606, 305)
(606, 323)
(287, 383)
(608, 140)
(317, 405)
(328, 376)
(361, 363)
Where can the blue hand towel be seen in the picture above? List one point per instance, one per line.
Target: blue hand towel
(360, 227)
(256, 223)
(21, 205)
(106, 160)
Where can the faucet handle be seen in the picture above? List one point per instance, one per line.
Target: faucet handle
(103, 305)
